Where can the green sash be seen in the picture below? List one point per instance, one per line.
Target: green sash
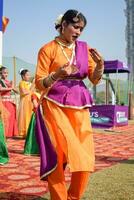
(4, 158)
(31, 146)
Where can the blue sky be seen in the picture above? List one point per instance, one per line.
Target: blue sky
(32, 24)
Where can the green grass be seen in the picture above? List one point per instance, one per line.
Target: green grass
(114, 183)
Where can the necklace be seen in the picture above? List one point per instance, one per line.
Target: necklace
(69, 46)
(71, 60)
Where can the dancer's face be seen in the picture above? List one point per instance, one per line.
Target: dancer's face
(4, 74)
(26, 77)
(71, 32)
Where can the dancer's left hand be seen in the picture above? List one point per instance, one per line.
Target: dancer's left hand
(96, 57)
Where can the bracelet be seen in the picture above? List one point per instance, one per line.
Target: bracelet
(52, 76)
(44, 83)
(49, 80)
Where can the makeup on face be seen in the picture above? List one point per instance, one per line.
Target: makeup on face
(73, 31)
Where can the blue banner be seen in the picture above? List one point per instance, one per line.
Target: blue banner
(1, 13)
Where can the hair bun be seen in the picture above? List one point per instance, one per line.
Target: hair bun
(58, 20)
(21, 70)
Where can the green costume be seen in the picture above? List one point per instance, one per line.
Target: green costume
(4, 158)
(31, 146)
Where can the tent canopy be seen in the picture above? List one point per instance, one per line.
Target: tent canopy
(113, 66)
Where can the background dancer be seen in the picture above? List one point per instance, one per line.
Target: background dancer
(6, 87)
(25, 105)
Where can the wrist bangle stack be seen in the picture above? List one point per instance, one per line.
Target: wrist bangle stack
(49, 80)
(52, 76)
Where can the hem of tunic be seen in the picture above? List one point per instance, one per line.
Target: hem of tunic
(67, 106)
(90, 169)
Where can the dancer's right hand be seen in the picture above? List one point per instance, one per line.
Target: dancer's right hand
(63, 71)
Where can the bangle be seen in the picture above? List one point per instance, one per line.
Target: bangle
(52, 76)
(49, 80)
(44, 83)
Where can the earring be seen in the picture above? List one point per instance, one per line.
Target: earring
(63, 30)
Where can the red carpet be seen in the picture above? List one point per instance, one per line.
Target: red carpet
(19, 179)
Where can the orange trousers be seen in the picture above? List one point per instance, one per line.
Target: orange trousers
(57, 185)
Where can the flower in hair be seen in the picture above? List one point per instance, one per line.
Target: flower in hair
(58, 20)
(76, 19)
(21, 70)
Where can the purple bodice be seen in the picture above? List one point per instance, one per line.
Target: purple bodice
(72, 92)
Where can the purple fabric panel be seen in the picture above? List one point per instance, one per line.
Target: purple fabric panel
(82, 58)
(48, 157)
(74, 92)
(70, 92)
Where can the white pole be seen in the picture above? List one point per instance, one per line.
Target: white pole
(113, 98)
(0, 48)
(1, 14)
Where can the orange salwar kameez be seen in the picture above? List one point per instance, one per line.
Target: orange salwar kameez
(69, 129)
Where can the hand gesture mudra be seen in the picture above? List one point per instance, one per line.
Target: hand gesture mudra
(96, 57)
(65, 71)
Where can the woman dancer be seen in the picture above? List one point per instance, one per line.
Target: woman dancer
(62, 65)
